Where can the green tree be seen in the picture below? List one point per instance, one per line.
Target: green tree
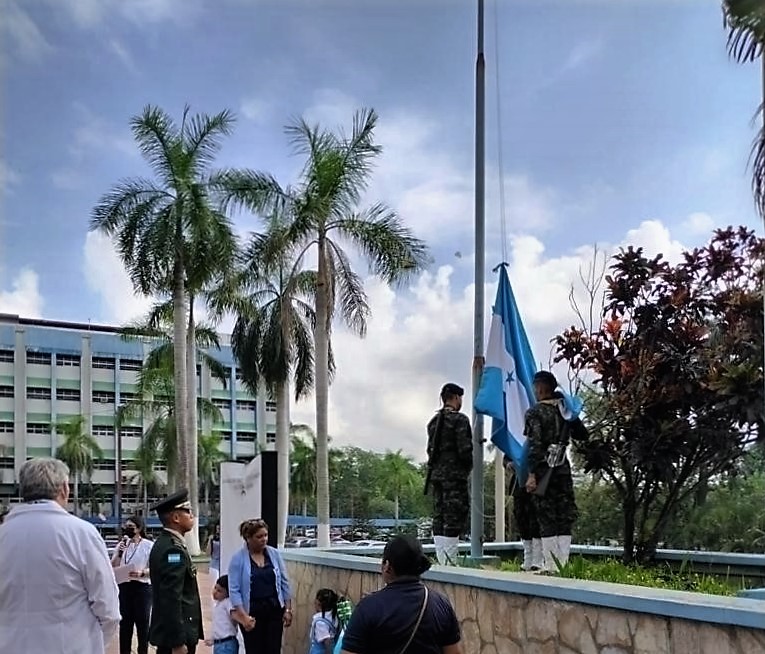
(174, 240)
(145, 474)
(398, 475)
(324, 212)
(272, 337)
(78, 450)
(303, 465)
(210, 458)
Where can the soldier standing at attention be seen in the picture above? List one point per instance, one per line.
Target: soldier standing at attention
(176, 617)
(450, 461)
(550, 481)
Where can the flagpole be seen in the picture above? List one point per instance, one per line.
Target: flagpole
(476, 512)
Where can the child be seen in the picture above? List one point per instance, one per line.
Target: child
(324, 624)
(224, 621)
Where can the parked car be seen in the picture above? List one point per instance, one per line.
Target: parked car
(369, 543)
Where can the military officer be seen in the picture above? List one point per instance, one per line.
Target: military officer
(176, 617)
(450, 461)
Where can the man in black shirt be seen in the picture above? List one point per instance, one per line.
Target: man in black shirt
(403, 617)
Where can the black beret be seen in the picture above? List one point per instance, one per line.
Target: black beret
(178, 500)
(452, 389)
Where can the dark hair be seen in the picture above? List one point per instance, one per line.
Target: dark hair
(223, 582)
(404, 554)
(327, 599)
(251, 527)
(547, 378)
(140, 525)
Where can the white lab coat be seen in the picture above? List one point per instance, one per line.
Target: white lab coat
(58, 594)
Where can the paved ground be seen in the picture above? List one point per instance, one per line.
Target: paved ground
(205, 590)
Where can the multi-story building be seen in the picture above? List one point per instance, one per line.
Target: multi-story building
(52, 371)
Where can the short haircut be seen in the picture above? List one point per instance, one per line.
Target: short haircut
(251, 527)
(42, 479)
(405, 555)
(222, 582)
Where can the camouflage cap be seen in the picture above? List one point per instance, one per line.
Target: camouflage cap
(452, 389)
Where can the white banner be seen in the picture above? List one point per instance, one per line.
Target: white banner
(239, 501)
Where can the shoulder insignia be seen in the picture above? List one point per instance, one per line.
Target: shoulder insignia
(174, 557)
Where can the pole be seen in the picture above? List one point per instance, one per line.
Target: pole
(500, 530)
(476, 513)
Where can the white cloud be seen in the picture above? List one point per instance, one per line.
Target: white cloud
(105, 274)
(256, 109)
(96, 134)
(654, 238)
(123, 54)
(581, 54)
(699, 223)
(23, 296)
(22, 32)
(92, 14)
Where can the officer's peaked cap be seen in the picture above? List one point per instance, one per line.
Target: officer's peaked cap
(452, 389)
(178, 500)
(545, 377)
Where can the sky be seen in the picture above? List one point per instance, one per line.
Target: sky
(617, 123)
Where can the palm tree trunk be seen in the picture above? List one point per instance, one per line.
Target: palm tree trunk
(282, 459)
(396, 503)
(181, 378)
(305, 507)
(321, 338)
(192, 537)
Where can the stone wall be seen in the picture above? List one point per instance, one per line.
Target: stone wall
(501, 622)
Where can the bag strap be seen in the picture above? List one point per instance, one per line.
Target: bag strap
(419, 621)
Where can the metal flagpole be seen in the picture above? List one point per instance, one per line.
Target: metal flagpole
(476, 513)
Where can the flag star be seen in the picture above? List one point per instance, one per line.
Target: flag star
(509, 379)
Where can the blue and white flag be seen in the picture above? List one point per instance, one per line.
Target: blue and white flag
(507, 385)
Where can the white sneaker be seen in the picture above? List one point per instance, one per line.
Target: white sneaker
(564, 548)
(537, 558)
(528, 556)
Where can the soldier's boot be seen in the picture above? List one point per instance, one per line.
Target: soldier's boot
(550, 553)
(564, 547)
(528, 555)
(537, 558)
(438, 542)
(452, 549)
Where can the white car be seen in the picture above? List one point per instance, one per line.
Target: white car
(369, 543)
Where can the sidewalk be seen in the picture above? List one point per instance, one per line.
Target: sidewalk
(205, 590)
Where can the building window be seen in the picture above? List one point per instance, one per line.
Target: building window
(38, 393)
(6, 356)
(246, 405)
(271, 438)
(225, 435)
(224, 405)
(105, 431)
(239, 376)
(104, 464)
(38, 428)
(135, 432)
(6, 462)
(68, 394)
(126, 396)
(130, 364)
(6, 391)
(103, 363)
(68, 360)
(6, 427)
(199, 370)
(270, 406)
(246, 436)
(41, 358)
(103, 397)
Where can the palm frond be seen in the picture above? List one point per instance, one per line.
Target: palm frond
(217, 369)
(158, 140)
(204, 137)
(391, 249)
(757, 161)
(254, 191)
(349, 290)
(129, 197)
(745, 22)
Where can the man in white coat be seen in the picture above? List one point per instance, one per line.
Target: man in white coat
(58, 594)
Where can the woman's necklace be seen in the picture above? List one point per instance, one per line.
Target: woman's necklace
(131, 556)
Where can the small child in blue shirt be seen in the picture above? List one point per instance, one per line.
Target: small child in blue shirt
(324, 625)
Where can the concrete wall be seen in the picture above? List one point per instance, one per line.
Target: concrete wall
(504, 613)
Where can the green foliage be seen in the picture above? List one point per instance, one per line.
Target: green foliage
(678, 388)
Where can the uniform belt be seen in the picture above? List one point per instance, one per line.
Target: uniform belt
(218, 641)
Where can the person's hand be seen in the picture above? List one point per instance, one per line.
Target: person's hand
(122, 545)
(288, 617)
(181, 649)
(531, 483)
(250, 624)
(135, 574)
(209, 642)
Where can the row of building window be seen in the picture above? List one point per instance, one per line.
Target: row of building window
(67, 394)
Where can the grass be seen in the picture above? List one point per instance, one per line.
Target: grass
(659, 576)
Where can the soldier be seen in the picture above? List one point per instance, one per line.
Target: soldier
(450, 461)
(525, 516)
(550, 480)
(176, 617)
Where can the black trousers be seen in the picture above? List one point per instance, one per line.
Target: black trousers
(135, 607)
(266, 637)
(168, 650)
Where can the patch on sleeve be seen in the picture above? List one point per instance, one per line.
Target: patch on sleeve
(174, 557)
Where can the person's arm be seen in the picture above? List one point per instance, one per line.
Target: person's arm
(239, 616)
(208, 548)
(235, 581)
(464, 435)
(118, 551)
(100, 585)
(452, 649)
(168, 579)
(533, 432)
(285, 586)
(356, 637)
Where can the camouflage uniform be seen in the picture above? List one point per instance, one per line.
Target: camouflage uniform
(450, 469)
(524, 511)
(556, 509)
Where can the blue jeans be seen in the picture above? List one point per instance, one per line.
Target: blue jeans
(229, 647)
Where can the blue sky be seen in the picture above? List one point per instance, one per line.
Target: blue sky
(621, 122)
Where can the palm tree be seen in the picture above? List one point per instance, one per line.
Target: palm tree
(303, 467)
(210, 458)
(272, 337)
(745, 21)
(145, 474)
(78, 450)
(173, 238)
(324, 212)
(400, 475)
